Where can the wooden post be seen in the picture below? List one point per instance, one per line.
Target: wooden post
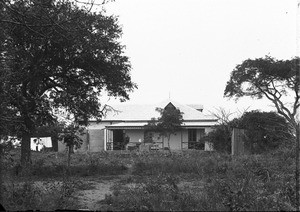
(237, 142)
(181, 138)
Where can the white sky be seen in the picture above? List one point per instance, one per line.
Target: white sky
(190, 47)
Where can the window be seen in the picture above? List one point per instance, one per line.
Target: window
(194, 141)
(192, 135)
(202, 133)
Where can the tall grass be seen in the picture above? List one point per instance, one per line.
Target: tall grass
(26, 193)
(247, 183)
(250, 182)
(47, 183)
(159, 193)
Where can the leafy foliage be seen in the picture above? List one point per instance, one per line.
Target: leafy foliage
(220, 137)
(185, 180)
(264, 131)
(168, 123)
(71, 136)
(270, 78)
(247, 183)
(57, 55)
(160, 193)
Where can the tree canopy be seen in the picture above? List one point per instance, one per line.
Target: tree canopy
(54, 55)
(168, 123)
(270, 78)
(264, 131)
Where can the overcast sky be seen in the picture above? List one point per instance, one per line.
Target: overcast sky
(189, 48)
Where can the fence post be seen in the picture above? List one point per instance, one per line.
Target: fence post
(237, 142)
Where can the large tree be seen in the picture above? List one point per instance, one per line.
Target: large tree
(55, 54)
(269, 78)
(273, 79)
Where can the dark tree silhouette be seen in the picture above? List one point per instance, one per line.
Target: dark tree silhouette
(269, 78)
(273, 79)
(55, 54)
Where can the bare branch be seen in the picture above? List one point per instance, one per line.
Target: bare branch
(222, 115)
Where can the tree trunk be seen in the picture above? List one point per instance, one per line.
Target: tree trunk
(69, 155)
(297, 167)
(26, 134)
(70, 150)
(169, 137)
(25, 149)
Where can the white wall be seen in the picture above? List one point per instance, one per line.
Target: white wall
(96, 140)
(97, 137)
(208, 129)
(208, 146)
(175, 140)
(135, 135)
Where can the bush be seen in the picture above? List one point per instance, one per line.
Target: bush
(265, 130)
(47, 196)
(198, 163)
(220, 137)
(159, 193)
(253, 183)
(250, 182)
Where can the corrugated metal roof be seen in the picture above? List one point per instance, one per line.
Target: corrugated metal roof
(139, 112)
(199, 124)
(141, 125)
(196, 106)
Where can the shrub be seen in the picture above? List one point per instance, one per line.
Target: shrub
(220, 137)
(253, 183)
(159, 193)
(250, 182)
(191, 162)
(47, 195)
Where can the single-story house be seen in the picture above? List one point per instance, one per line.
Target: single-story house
(124, 125)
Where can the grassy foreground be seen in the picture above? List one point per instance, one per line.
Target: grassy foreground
(155, 181)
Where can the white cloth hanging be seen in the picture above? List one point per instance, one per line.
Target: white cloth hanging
(46, 141)
(36, 144)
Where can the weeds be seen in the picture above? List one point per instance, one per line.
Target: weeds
(252, 182)
(246, 183)
(159, 193)
(39, 195)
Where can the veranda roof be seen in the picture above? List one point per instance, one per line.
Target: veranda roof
(127, 125)
(141, 125)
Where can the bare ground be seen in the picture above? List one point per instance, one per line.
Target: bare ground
(93, 191)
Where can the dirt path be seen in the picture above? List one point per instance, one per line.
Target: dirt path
(93, 191)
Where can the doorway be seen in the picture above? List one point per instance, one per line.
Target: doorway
(118, 140)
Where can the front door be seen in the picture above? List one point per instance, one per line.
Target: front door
(192, 138)
(118, 140)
